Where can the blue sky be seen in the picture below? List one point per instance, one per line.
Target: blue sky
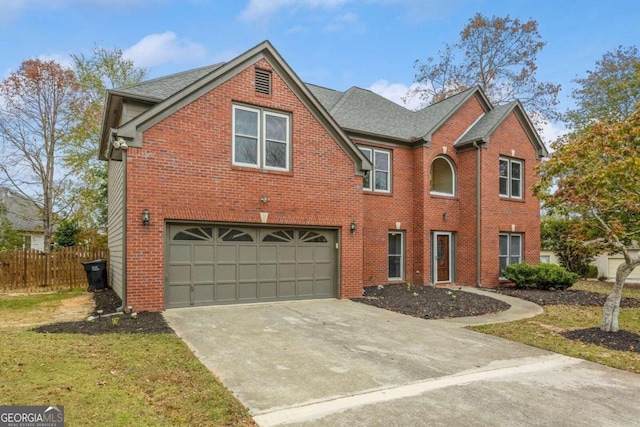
(334, 43)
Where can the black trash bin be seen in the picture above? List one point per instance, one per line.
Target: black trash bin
(96, 274)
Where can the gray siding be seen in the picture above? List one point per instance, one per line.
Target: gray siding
(131, 111)
(115, 225)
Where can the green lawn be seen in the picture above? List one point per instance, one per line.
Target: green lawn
(544, 330)
(110, 379)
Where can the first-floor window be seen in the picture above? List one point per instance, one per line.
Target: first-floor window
(261, 138)
(510, 249)
(396, 255)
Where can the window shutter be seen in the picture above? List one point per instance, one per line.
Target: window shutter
(263, 81)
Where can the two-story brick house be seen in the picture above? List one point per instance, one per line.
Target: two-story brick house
(238, 182)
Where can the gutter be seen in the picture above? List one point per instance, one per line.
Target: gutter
(478, 213)
(124, 232)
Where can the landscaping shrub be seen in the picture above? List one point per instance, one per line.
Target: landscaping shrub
(540, 276)
(592, 272)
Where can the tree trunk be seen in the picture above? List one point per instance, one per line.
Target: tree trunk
(611, 307)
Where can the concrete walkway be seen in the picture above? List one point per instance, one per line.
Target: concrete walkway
(340, 363)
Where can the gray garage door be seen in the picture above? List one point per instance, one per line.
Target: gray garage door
(216, 264)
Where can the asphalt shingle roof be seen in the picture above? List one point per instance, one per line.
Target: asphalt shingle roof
(356, 109)
(163, 87)
(481, 130)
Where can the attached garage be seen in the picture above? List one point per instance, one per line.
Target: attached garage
(614, 262)
(224, 264)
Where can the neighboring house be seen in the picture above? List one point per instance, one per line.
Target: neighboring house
(24, 217)
(238, 182)
(607, 263)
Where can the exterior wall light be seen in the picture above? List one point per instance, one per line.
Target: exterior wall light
(353, 226)
(145, 217)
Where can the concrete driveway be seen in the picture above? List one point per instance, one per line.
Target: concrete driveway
(340, 363)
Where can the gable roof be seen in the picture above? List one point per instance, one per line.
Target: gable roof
(482, 129)
(359, 112)
(198, 82)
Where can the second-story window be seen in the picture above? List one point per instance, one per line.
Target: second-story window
(261, 138)
(379, 178)
(511, 177)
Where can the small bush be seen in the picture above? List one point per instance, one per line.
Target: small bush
(540, 276)
(592, 272)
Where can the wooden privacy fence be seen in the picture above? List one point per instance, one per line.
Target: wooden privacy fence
(35, 271)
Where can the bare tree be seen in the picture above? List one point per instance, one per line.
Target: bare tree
(36, 117)
(497, 54)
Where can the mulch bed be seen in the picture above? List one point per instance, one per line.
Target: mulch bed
(566, 297)
(426, 302)
(108, 301)
(429, 302)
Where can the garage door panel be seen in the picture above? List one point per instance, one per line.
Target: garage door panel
(226, 273)
(268, 272)
(179, 296)
(226, 264)
(286, 289)
(305, 271)
(248, 272)
(247, 253)
(180, 274)
(287, 254)
(202, 273)
(204, 293)
(286, 271)
(227, 253)
(268, 253)
(305, 288)
(268, 290)
(203, 253)
(180, 253)
(226, 292)
(322, 271)
(305, 253)
(323, 253)
(248, 291)
(323, 287)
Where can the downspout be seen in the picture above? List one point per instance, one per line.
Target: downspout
(124, 232)
(478, 213)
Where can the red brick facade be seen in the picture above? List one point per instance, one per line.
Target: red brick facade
(184, 171)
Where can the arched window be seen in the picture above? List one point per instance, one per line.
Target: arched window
(443, 177)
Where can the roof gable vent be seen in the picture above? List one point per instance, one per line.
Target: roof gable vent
(263, 81)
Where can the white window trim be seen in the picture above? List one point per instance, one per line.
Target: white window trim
(453, 177)
(402, 256)
(508, 255)
(509, 161)
(262, 141)
(372, 174)
(287, 142)
(434, 256)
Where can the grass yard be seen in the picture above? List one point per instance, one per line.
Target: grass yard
(109, 379)
(543, 331)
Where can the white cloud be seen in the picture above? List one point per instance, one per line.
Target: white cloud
(261, 9)
(551, 132)
(396, 92)
(64, 60)
(156, 49)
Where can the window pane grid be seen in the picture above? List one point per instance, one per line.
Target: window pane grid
(510, 177)
(260, 138)
(510, 249)
(379, 178)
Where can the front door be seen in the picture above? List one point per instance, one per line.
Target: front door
(442, 257)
